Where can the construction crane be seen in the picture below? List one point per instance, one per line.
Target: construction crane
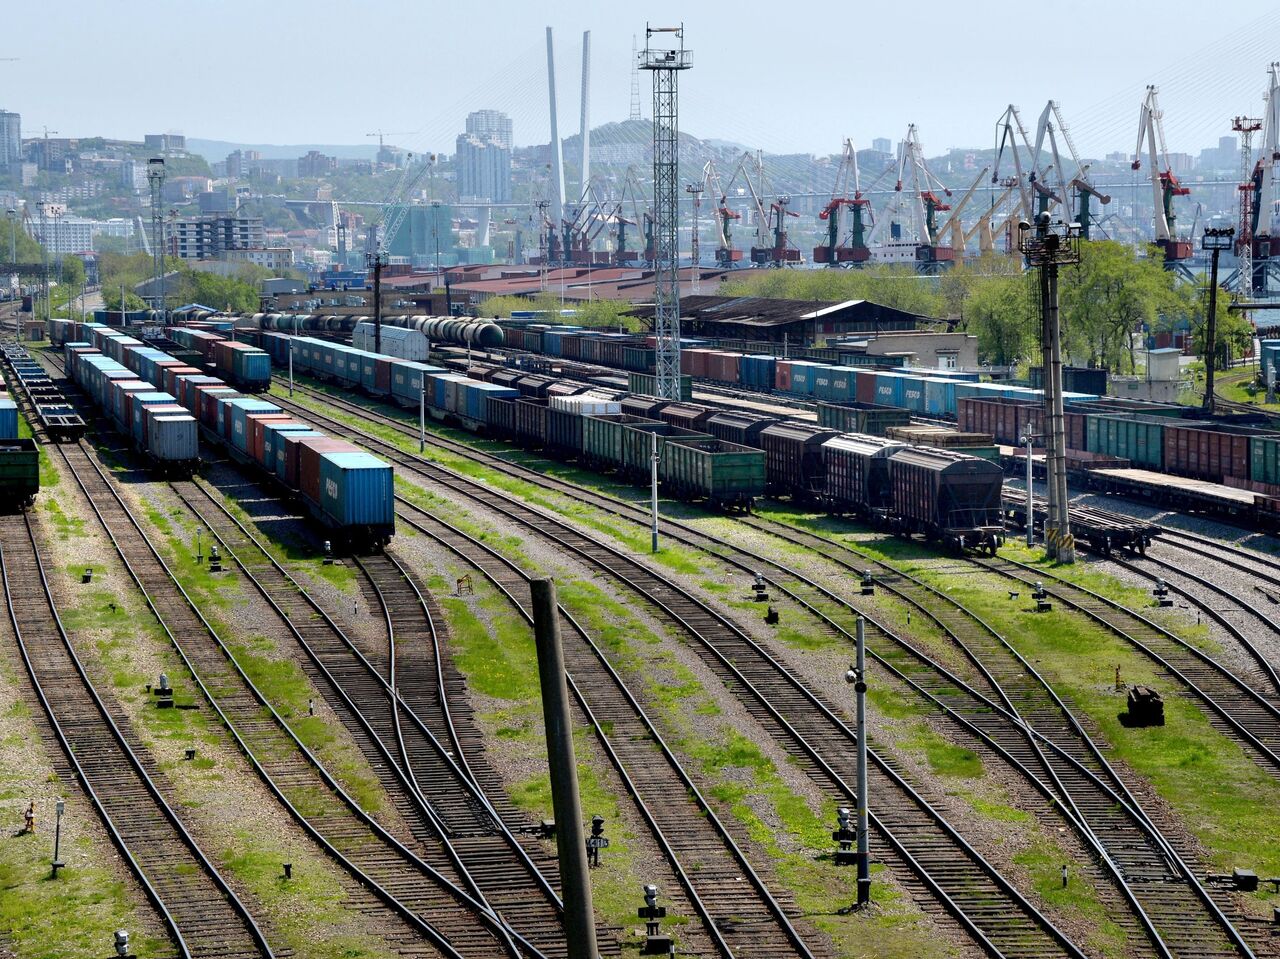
(856, 250)
(1164, 185)
(951, 227)
(380, 134)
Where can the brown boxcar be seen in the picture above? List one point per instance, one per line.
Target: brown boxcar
(689, 416)
(646, 407)
(500, 412)
(742, 428)
(531, 422)
(857, 474)
(793, 458)
(947, 496)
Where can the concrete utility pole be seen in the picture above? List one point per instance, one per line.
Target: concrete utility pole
(857, 677)
(155, 180)
(571, 840)
(1047, 247)
(377, 260)
(1215, 241)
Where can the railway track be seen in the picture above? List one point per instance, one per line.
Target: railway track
(1234, 706)
(203, 914)
(740, 915)
(1161, 888)
(992, 910)
(443, 918)
(463, 832)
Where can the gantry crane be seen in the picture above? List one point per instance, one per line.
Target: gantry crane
(1265, 191)
(856, 250)
(1164, 185)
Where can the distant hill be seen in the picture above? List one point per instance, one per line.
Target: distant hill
(213, 150)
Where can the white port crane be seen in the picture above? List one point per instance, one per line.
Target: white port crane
(1265, 211)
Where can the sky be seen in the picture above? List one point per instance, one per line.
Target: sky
(781, 77)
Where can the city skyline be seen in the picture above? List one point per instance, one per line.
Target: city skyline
(722, 98)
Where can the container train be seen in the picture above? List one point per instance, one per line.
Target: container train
(164, 406)
(727, 458)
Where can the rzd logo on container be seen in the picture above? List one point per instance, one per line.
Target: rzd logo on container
(330, 489)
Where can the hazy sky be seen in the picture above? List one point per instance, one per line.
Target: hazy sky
(781, 76)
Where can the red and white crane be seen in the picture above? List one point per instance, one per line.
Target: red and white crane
(833, 253)
(911, 218)
(1164, 185)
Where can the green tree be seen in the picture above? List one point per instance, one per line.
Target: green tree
(998, 311)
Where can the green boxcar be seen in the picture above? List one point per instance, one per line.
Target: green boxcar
(647, 385)
(725, 474)
(19, 473)
(1136, 439)
(870, 419)
(1264, 459)
(623, 442)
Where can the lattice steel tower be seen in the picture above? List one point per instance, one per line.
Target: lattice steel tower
(1246, 127)
(666, 63)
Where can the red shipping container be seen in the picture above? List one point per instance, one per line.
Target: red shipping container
(782, 375)
(254, 424)
(865, 387)
(171, 373)
(310, 450)
(382, 375)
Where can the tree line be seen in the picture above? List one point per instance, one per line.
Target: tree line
(1108, 302)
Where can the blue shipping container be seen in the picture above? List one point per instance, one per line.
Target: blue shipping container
(356, 489)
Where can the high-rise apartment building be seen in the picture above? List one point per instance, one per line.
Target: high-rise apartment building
(483, 169)
(882, 145)
(10, 138)
(491, 125)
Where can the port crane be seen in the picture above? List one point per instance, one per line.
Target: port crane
(1164, 185)
(856, 250)
(1263, 218)
(921, 208)
(726, 255)
(952, 227)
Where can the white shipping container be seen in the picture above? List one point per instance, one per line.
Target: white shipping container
(174, 438)
(404, 344)
(585, 405)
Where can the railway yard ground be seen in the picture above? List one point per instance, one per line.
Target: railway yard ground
(347, 758)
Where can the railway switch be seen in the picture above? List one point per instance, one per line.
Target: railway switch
(1161, 593)
(88, 575)
(845, 835)
(190, 754)
(288, 870)
(655, 943)
(868, 583)
(596, 841)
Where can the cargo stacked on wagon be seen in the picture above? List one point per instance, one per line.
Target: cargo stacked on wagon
(854, 417)
(19, 457)
(947, 496)
(350, 492)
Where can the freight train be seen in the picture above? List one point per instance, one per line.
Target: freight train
(164, 405)
(726, 458)
(459, 331)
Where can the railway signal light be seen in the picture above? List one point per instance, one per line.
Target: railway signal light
(1161, 593)
(655, 943)
(868, 583)
(59, 808)
(845, 835)
(596, 841)
(122, 942)
(857, 677)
